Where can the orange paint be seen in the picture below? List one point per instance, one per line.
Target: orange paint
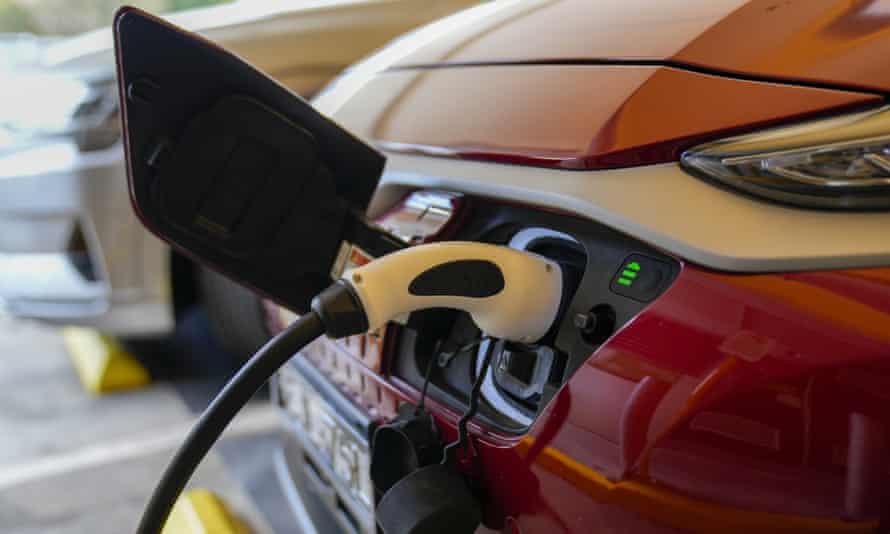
(585, 117)
(678, 511)
(820, 303)
(692, 405)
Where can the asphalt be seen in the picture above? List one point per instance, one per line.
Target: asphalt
(72, 463)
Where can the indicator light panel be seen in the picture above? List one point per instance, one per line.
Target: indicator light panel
(641, 277)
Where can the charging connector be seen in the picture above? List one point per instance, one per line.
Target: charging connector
(510, 294)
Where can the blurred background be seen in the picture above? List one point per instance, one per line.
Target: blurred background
(27, 25)
(80, 449)
(68, 17)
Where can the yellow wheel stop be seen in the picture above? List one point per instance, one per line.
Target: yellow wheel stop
(200, 511)
(102, 364)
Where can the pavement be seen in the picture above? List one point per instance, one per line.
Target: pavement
(72, 463)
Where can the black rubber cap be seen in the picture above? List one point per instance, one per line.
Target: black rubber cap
(402, 446)
(340, 310)
(432, 500)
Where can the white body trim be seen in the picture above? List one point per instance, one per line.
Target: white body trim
(666, 207)
(522, 311)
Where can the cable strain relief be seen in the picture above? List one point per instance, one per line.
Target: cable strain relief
(340, 310)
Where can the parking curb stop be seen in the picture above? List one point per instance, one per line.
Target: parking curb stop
(102, 364)
(200, 511)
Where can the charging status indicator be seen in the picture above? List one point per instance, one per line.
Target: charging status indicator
(641, 277)
(629, 274)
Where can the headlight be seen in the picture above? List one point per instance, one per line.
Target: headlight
(839, 163)
(96, 121)
(35, 107)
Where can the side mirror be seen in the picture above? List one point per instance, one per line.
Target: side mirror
(236, 171)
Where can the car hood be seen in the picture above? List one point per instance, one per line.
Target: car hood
(569, 116)
(838, 43)
(593, 85)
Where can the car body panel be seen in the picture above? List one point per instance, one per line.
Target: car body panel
(820, 41)
(687, 398)
(578, 29)
(831, 42)
(732, 403)
(584, 117)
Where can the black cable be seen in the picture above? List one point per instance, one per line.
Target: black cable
(421, 404)
(472, 407)
(216, 417)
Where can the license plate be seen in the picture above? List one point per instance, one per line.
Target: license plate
(343, 453)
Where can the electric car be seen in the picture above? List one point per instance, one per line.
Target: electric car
(71, 250)
(713, 177)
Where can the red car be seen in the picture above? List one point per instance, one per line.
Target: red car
(728, 161)
(713, 178)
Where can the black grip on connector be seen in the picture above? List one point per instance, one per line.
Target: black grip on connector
(460, 278)
(340, 310)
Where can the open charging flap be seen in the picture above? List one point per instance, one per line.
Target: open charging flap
(235, 170)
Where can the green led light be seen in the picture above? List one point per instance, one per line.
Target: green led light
(629, 274)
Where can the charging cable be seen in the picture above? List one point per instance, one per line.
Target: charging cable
(509, 294)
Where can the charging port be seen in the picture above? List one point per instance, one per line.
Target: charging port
(522, 371)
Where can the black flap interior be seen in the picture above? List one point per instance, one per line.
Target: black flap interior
(232, 168)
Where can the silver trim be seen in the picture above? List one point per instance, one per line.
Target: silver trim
(491, 394)
(801, 178)
(521, 240)
(758, 163)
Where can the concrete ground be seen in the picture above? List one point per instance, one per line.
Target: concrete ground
(71, 463)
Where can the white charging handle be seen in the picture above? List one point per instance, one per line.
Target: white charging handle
(510, 294)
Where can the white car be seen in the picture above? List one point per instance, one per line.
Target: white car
(71, 249)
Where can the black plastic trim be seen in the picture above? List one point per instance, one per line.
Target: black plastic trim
(340, 310)
(460, 278)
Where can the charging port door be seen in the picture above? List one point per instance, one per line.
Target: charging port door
(235, 170)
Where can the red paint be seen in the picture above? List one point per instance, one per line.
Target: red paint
(586, 117)
(753, 393)
(759, 393)
(733, 395)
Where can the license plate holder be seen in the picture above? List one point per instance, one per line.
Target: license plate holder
(338, 444)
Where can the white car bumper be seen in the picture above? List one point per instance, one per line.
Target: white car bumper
(71, 248)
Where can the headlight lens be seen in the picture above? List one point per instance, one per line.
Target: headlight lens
(839, 163)
(36, 107)
(96, 121)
